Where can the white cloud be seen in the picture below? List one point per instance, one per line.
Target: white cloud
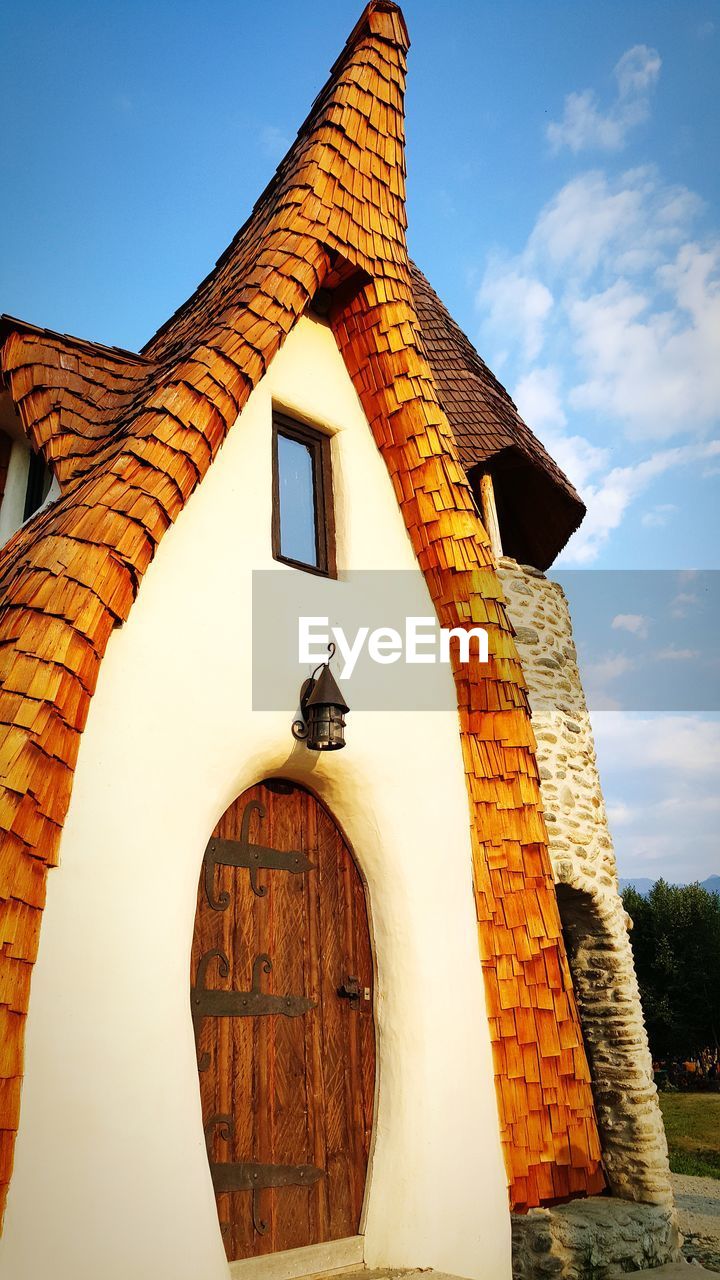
(585, 125)
(681, 744)
(588, 218)
(659, 515)
(637, 71)
(688, 801)
(637, 298)
(612, 278)
(683, 603)
(577, 457)
(652, 365)
(621, 814)
(511, 298)
(673, 654)
(609, 498)
(608, 321)
(660, 771)
(599, 677)
(538, 396)
(634, 623)
(612, 311)
(625, 224)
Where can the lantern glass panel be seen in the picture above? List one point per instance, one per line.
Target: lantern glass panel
(326, 728)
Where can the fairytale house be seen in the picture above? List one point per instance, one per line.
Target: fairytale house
(265, 1006)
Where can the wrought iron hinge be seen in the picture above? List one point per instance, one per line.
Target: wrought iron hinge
(241, 853)
(249, 1176)
(213, 1003)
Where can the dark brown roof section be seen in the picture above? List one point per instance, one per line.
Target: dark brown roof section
(538, 508)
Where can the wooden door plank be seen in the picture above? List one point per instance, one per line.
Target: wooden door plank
(264, 913)
(290, 1132)
(315, 1082)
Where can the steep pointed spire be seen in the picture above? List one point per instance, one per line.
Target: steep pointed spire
(381, 18)
(342, 182)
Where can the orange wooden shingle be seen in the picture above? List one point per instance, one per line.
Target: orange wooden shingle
(130, 439)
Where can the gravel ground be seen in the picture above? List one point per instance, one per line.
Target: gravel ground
(698, 1205)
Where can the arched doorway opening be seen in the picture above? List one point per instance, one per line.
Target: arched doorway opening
(603, 974)
(282, 1003)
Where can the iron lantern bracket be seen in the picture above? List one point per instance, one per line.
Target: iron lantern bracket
(299, 727)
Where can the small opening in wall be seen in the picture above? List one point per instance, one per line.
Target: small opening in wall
(40, 478)
(582, 932)
(589, 951)
(629, 1121)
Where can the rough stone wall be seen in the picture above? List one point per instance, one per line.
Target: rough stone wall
(595, 1239)
(595, 923)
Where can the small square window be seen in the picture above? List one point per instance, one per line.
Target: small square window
(302, 524)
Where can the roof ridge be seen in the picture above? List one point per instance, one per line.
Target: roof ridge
(371, 22)
(10, 323)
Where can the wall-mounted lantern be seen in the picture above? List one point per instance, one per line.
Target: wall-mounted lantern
(323, 708)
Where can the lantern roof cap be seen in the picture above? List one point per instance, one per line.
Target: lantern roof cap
(326, 691)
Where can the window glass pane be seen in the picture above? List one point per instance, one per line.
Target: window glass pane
(38, 485)
(297, 500)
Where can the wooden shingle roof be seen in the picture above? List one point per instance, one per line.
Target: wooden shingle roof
(72, 394)
(484, 418)
(541, 507)
(333, 219)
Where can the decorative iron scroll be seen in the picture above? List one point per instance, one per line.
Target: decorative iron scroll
(213, 1003)
(249, 1176)
(241, 853)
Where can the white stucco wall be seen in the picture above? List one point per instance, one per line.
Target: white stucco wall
(12, 507)
(111, 1179)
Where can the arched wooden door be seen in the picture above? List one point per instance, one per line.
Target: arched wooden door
(281, 997)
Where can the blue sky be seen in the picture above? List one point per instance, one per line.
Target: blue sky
(563, 199)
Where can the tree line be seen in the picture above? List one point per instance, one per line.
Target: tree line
(676, 943)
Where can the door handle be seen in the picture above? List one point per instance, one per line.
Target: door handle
(350, 990)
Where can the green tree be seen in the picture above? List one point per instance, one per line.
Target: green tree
(676, 943)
